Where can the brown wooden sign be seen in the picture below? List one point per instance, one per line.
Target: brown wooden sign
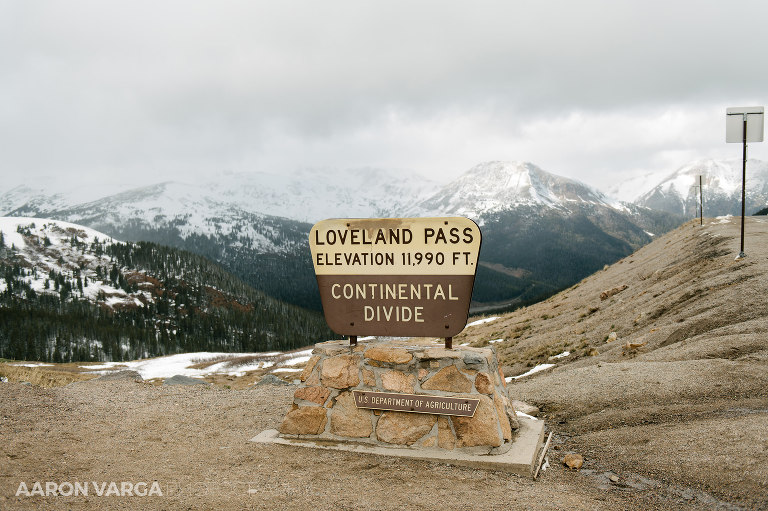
(403, 277)
(464, 407)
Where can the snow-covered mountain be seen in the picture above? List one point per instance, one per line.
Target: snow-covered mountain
(253, 224)
(522, 188)
(181, 210)
(256, 211)
(497, 185)
(722, 188)
(307, 195)
(311, 195)
(252, 210)
(256, 226)
(54, 193)
(541, 232)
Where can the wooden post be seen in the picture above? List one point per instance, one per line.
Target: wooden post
(353, 340)
(449, 343)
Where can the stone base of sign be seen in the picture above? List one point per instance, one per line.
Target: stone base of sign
(520, 459)
(324, 409)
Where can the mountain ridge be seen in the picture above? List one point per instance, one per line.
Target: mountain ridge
(722, 182)
(225, 220)
(497, 185)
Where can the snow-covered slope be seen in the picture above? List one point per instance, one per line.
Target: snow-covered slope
(306, 196)
(253, 210)
(68, 292)
(496, 186)
(49, 247)
(722, 188)
(312, 195)
(185, 209)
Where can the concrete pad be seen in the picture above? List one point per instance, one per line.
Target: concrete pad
(520, 459)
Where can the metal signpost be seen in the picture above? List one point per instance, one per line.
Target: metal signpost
(400, 277)
(701, 199)
(744, 124)
(700, 187)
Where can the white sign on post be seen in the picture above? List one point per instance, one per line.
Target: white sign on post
(734, 124)
(743, 124)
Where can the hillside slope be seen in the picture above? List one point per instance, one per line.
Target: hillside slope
(71, 293)
(666, 379)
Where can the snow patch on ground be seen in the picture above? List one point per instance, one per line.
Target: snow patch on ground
(481, 321)
(522, 414)
(723, 219)
(540, 367)
(171, 365)
(301, 357)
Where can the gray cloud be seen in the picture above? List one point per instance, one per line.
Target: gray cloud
(161, 89)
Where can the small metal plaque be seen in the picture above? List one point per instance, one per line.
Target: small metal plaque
(464, 407)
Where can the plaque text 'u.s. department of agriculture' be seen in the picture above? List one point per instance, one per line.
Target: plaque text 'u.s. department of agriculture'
(438, 405)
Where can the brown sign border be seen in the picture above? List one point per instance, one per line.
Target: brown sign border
(416, 407)
(343, 283)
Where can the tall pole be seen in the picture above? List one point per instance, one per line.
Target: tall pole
(743, 187)
(736, 131)
(701, 199)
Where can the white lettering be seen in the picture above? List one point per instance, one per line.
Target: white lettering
(112, 489)
(402, 313)
(66, 489)
(379, 291)
(22, 488)
(126, 488)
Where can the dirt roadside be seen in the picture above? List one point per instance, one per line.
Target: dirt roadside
(194, 442)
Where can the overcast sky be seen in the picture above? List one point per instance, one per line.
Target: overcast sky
(146, 91)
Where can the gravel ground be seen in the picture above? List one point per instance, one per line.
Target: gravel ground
(194, 442)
